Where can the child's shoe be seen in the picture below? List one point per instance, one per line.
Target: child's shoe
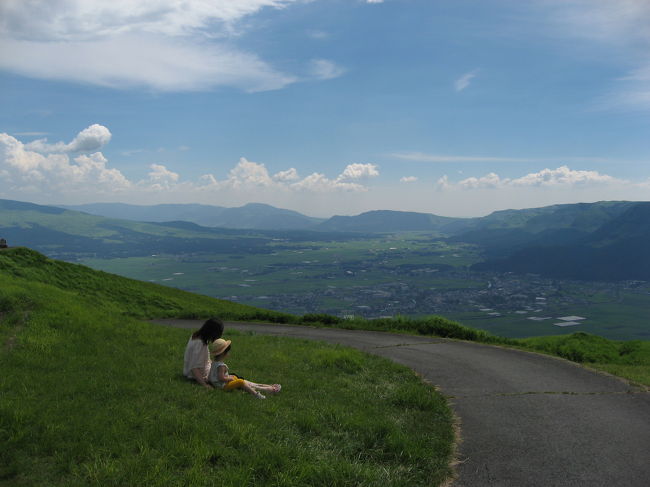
(259, 395)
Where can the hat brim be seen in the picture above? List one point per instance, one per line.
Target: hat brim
(222, 347)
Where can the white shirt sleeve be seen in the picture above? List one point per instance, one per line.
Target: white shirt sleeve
(197, 356)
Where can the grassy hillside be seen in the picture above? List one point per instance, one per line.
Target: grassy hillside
(91, 395)
(133, 298)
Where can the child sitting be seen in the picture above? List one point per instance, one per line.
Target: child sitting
(219, 376)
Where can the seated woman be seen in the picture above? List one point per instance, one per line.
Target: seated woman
(196, 363)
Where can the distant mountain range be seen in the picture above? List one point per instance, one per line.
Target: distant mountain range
(604, 240)
(251, 216)
(68, 234)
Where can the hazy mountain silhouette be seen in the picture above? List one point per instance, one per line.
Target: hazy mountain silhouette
(387, 221)
(604, 240)
(250, 216)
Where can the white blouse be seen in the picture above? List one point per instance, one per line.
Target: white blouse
(197, 356)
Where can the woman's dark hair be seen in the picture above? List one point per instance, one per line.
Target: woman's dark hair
(210, 331)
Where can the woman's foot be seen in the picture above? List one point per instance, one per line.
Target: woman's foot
(276, 388)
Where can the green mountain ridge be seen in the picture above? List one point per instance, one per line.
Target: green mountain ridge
(601, 241)
(251, 216)
(617, 250)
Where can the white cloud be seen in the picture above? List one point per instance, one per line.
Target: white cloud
(325, 69)
(247, 174)
(358, 171)
(443, 183)
(143, 61)
(408, 179)
(47, 169)
(28, 171)
(73, 19)
(560, 177)
(288, 175)
(464, 81)
(343, 182)
(89, 139)
(563, 176)
(160, 44)
(620, 25)
(160, 178)
(490, 180)
(88, 177)
(318, 182)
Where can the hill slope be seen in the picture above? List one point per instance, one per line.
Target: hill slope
(503, 232)
(135, 298)
(91, 396)
(388, 221)
(617, 250)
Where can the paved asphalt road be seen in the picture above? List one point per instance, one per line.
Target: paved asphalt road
(525, 419)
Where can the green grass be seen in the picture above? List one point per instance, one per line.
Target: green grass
(91, 395)
(628, 359)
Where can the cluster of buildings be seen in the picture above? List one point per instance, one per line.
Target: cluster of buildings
(531, 297)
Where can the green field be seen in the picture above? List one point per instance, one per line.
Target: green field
(620, 315)
(91, 394)
(408, 275)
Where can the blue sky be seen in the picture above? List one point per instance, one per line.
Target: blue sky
(453, 107)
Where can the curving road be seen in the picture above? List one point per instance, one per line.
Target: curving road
(525, 419)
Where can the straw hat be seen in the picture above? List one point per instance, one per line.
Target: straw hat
(219, 345)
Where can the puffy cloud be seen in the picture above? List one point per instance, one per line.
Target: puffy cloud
(560, 177)
(248, 174)
(208, 181)
(159, 44)
(358, 171)
(563, 176)
(408, 179)
(320, 183)
(491, 180)
(91, 169)
(288, 175)
(51, 171)
(160, 178)
(89, 139)
(30, 171)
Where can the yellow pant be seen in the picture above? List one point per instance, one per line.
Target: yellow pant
(234, 384)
